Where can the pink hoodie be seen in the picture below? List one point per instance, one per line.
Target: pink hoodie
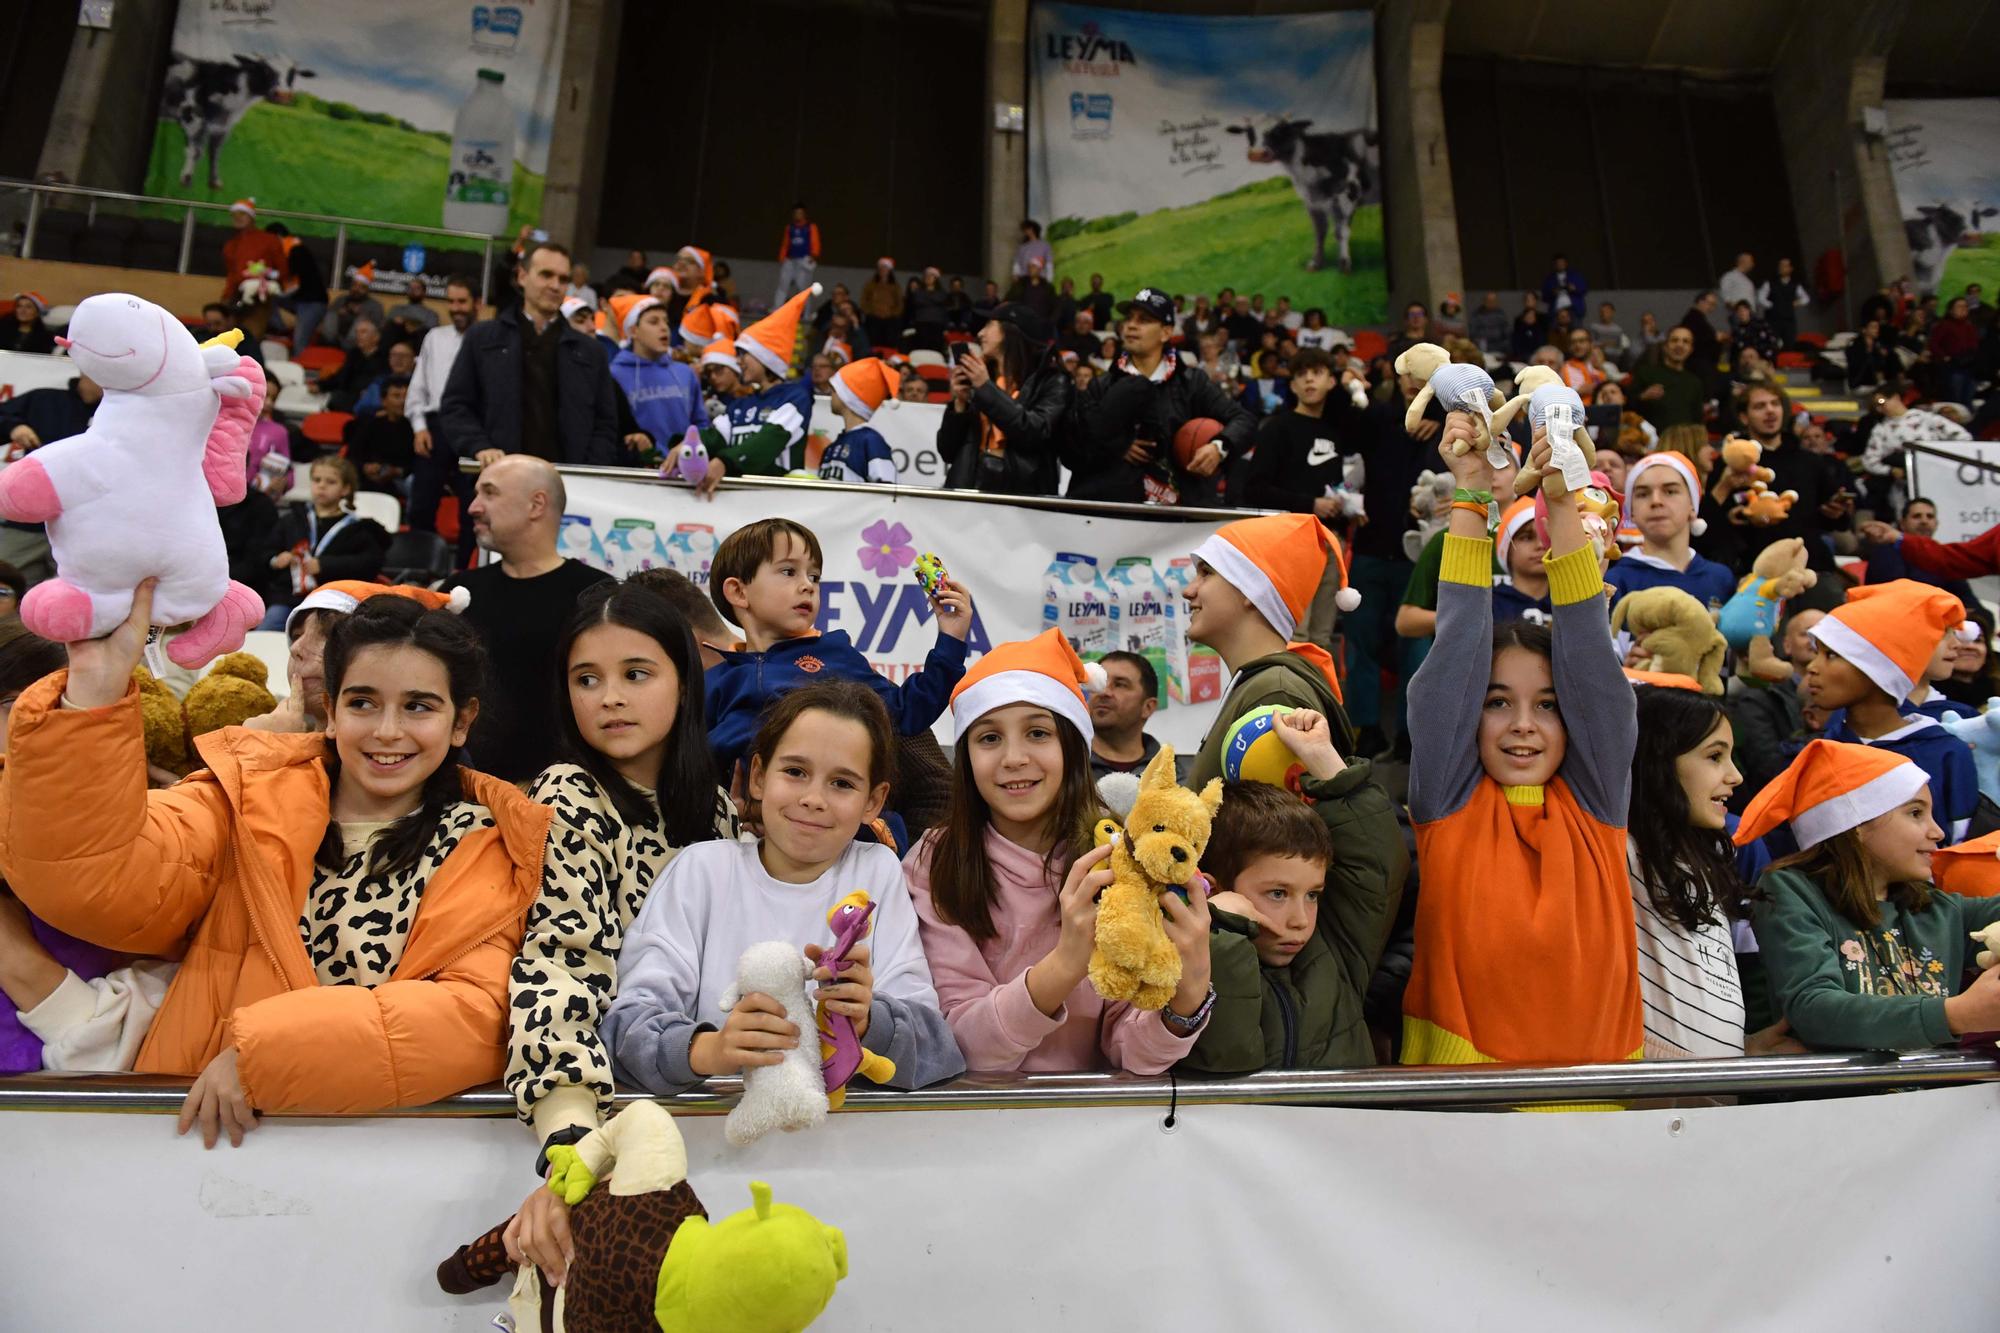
(984, 986)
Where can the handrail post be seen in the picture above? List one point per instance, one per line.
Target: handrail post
(485, 269)
(34, 218)
(187, 239)
(339, 255)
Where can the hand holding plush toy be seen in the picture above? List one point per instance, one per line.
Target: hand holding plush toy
(1159, 848)
(1458, 388)
(134, 497)
(1556, 413)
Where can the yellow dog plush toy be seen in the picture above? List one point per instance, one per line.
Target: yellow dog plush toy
(1157, 851)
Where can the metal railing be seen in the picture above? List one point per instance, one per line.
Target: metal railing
(1392, 1087)
(38, 192)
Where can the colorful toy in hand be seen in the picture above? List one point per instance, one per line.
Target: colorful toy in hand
(930, 572)
(645, 1254)
(1458, 387)
(1989, 946)
(1159, 849)
(1601, 509)
(842, 1055)
(1553, 408)
(134, 497)
(792, 1093)
(1982, 733)
(1675, 632)
(1740, 455)
(1749, 620)
(691, 463)
(260, 284)
(1252, 750)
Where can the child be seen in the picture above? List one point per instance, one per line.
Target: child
(1255, 579)
(1289, 981)
(1871, 653)
(1862, 953)
(765, 579)
(1661, 501)
(1518, 793)
(630, 721)
(761, 432)
(860, 454)
(324, 540)
(382, 446)
(349, 904)
(1416, 618)
(1297, 459)
(820, 769)
(1523, 592)
(1928, 698)
(664, 393)
(1008, 906)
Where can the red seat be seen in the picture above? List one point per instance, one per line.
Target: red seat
(935, 397)
(326, 428)
(1813, 339)
(320, 360)
(936, 375)
(1369, 344)
(1794, 361)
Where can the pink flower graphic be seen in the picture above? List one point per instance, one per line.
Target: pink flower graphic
(1851, 950)
(888, 551)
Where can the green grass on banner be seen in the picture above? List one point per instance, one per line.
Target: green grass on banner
(298, 157)
(1255, 239)
(1972, 263)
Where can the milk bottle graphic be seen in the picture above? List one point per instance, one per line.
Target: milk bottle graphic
(480, 179)
(1194, 672)
(634, 544)
(577, 540)
(1144, 617)
(1076, 601)
(691, 550)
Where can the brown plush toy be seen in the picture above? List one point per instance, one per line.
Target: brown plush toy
(1740, 457)
(1162, 841)
(1676, 632)
(165, 726)
(230, 694)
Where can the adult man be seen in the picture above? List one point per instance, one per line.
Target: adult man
(1121, 445)
(1824, 502)
(1489, 326)
(1118, 716)
(579, 285)
(1668, 393)
(1243, 327)
(519, 606)
(305, 297)
(1779, 301)
(1032, 289)
(1531, 330)
(1416, 329)
(1579, 371)
(665, 397)
(526, 382)
(250, 244)
(1098, 302)
(29, 421)
(1031, 249)
(1699, 321)
(798, 255)
(437, 467)
(1886, 561)
(1082, 337)
(1609, 334)
(1564, 288)
(1735, 285)
(413, 317)
(356, 303)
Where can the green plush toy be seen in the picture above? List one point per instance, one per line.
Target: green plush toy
(768, 1269)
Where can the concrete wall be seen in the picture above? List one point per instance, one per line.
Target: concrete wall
(101, 131)
(575, 175)
(1419, 213)
(1006, 199)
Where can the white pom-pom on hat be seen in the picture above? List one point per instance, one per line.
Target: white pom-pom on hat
(1699, 526)
(1347, 599)
(461, 597)
(1095, 677)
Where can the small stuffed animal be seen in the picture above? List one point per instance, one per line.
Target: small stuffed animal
(842, 1055)
(230, 694)
(134, 497)
(1552, 406)
(1676, 632)
(1982, 733)
(1989, 946)
(1601, 508)
(791, 1094)
(1458, 388)
(771, 1268)
(1430, 505)
(1160, 847)
(690, 463)
(1740, 457)
(162, 723)
(1749, 620)
(1766, 506)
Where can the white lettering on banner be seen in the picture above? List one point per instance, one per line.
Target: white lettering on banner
(1073, 1219)
(910, 428)
(1018, 563)
(23, 371)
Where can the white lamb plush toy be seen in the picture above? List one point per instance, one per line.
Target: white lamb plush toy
(1458, 387)
(1554, 405)
(790, 1095)
(134, 496)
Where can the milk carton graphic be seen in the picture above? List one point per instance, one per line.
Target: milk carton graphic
(1194, 672)
(578, 541)
(1145, 621)
(634, 544)
(691, 550)
(1076, 601)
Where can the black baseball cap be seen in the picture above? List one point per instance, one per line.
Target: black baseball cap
(1025, 318)
(1151, 302)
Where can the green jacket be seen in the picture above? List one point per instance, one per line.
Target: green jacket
(1308, 1014)
(1281, 678)
(1835, 981)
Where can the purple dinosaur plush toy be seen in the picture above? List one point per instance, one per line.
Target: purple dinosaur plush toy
(842, 1055)
(693, 462)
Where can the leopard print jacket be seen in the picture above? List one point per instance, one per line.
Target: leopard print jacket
(355, 925)
(595, 879)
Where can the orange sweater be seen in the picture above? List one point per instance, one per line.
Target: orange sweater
(1969, 869)
(1525, 944)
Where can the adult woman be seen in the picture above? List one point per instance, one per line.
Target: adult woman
(1008, 401)
(882, 304)
(1954, 344)
(26, 332)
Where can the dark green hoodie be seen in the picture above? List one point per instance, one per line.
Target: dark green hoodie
(1279, 678)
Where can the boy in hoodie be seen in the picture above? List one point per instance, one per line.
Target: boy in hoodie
(664, 393)
(1289, 977)
(860, 454)
(765, 580)
(1255, 579)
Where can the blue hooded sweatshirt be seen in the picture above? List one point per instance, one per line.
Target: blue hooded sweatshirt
(665, 396)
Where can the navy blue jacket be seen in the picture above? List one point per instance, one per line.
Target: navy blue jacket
(481, 407)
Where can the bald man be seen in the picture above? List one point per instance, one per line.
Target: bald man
(520, 604)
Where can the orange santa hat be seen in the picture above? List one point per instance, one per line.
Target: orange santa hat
(701, 257)
(864, 386)
(1044, 670)
(1889, 631)
(1277, 561)
(344, 596)
(704, 323)
(1830, 788)
(774, 338)
(722, 352)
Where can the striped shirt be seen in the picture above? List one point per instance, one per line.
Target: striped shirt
(1689, 992)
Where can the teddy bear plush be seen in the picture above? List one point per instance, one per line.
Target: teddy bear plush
(1749, 620)
(134, 497)
(1158, 849)
(230, 694)
(769, 1269)
(1676, 633)
(1989, 946)
(1740, 456)
(792, 1093)
(1542, 392)
(1458, 387)
(1430, 506)
(1766, 506)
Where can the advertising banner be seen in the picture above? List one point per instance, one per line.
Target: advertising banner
(434, 114)
(1105, 582)
(1948, 182)
(1191, 153)
(23, 371)
(910, 428)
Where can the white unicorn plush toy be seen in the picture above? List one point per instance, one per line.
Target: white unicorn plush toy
(134, 497)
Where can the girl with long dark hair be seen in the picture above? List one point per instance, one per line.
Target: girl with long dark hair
(1008, 402)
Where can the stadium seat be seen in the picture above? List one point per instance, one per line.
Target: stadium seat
(324, 428)
(384, 509)
(1811, 339)
(924, 356)
(58, 316)
(273, 649)
(285, 373)
(298, 402)
(1794, 361)
(422, 558)
(275, 350)
(301, 482)
(937, 376)
(321, 360)
(1369, 344)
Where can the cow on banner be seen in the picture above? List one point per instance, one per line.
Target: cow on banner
(1334, 174)
(208, 97)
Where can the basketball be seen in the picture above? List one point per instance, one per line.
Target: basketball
(1252, 751)
(1192, 436)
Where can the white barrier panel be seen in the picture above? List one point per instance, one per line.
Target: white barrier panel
(1871, 1212)
(1967, 498)
(910, 428)
(22, 371)
(1004, 553)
